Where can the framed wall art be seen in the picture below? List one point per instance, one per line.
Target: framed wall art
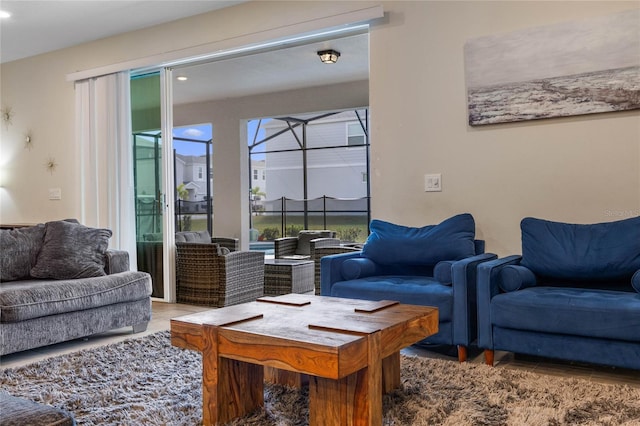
(571, 68)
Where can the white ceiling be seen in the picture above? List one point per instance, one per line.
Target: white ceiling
(291, 68)
(39, 26)
(42, 26)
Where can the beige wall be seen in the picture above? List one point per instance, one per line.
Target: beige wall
(578, 169)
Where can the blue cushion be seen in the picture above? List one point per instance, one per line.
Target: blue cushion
(635, 281)
(443, 272)
(516, 277)
(414, 290)
(358, 268)
(599, 251)
(452, 239)
(605, 314)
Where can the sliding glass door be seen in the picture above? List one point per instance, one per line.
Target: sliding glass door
(153, 195)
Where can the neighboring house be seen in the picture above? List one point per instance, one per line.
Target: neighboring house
(191, 170)
(258, 183)
(339, 172)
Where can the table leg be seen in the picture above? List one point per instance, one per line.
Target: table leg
(355, 400)
(391, 372)
(230, 388)
(285, 378)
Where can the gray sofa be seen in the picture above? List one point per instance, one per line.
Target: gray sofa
(60, 282)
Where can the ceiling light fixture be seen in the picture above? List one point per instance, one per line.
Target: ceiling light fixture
(4, 14)
(182, 78)
(329, 56)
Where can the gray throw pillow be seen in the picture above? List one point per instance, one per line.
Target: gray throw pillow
(71, 251)
(18, 251)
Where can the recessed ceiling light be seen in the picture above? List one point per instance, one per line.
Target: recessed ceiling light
(181, 78)
(4, 14)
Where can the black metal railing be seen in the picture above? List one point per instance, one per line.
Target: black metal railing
(317, 213)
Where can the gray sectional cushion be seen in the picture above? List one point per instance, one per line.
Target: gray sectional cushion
(24, 300)
(19, 411)
(71, 250)
(19, 251)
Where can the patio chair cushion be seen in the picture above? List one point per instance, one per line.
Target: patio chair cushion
(391, 244)
(193, 237)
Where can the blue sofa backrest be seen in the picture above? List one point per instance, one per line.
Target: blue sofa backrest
(420, 270)
(394, 245)
(596, 252)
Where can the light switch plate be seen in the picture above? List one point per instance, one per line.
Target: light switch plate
(433, 182)
(55, 194)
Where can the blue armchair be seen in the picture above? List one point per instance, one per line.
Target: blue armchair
(571, 295)
(433, 266)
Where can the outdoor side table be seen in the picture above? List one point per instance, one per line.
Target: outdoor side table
(283, 276)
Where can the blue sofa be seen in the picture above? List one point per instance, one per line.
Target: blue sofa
(573, 294)
(433, 266)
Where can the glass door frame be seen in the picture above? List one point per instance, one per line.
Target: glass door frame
(168, 184)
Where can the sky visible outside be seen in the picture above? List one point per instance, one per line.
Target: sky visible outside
(204, 132)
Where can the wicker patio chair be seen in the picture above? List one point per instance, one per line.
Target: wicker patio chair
(320, 250)
(300, 247)
(210, 275)
(233, 244)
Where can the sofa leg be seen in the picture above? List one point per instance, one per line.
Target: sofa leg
(462, 353)
(488, 357)
(139, 328)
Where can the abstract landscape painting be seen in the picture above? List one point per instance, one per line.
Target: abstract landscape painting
(572, 68)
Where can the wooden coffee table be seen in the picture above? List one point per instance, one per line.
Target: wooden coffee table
(349, 348)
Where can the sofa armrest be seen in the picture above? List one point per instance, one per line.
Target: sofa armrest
(487, 282)
(233, 244)
(331, 270)
(323, 242)
(116, 261)
(464, 274)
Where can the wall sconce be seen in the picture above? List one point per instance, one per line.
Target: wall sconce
(28, 140)
(329, 56)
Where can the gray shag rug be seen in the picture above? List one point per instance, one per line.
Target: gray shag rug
(146, 381)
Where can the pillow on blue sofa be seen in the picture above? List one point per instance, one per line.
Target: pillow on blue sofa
(18, 251)
(515, 277)
(70, 251)
(599, 251)
(635, 281)
(391, 244)
(360, 267)
(443, 272)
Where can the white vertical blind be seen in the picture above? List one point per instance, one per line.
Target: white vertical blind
(103, 133)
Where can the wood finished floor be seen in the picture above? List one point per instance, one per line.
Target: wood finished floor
(163, 312)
